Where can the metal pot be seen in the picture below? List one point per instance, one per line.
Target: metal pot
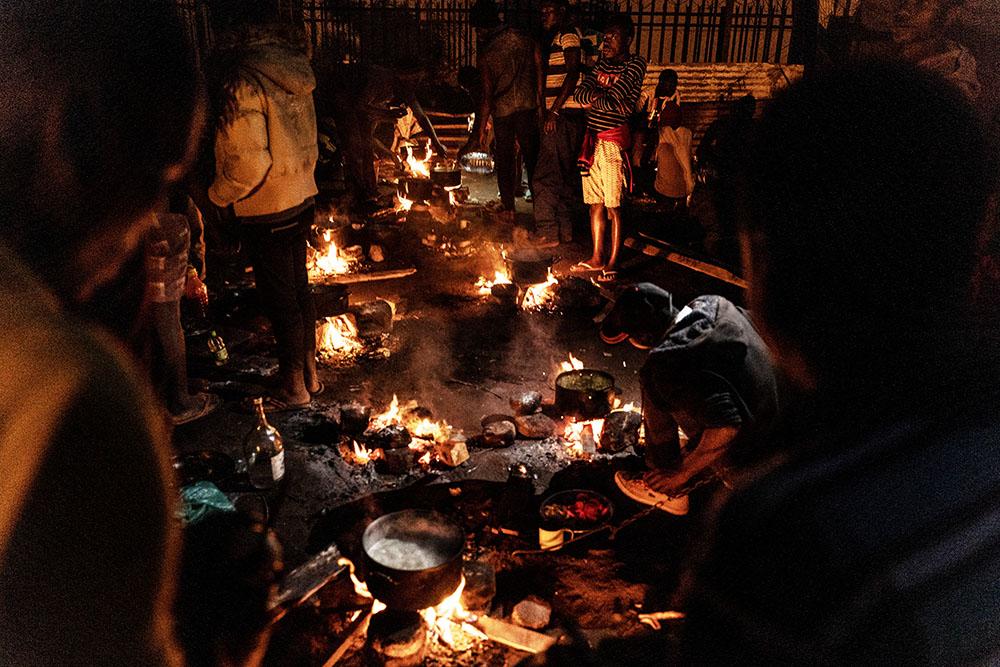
(585, 393)
(413, 557)
(447, 174)
(415, 189)
(528, 266)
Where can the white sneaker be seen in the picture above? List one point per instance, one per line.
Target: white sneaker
(633, 486)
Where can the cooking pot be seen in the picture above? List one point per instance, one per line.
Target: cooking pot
(529, 266)
(552, 531)
(413, 557)
(415, 189)
(585, 393)
(447, 174)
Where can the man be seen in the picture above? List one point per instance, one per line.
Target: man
(510, 65)
(876, 539)
(99, 120)
(610, 94)
(710, 375)
(556, 183)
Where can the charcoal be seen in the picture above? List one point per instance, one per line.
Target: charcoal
(393, 436)
(535, 427)
(621, 430)
(505, 293)
(526, 403)
(374, 318)
(320, 429)
(499, 434)
(354, 418)
(397, 461)
(480, 586)
(532, 612)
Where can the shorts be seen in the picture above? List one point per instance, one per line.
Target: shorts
(604, 183)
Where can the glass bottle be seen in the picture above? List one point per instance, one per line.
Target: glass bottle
(265, 454)
(217, 347)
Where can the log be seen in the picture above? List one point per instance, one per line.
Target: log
(349, 278)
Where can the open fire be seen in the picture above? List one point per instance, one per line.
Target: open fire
(330, 261)
(337, 337)
(540, 296)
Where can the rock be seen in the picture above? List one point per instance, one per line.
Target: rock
(376, 253)
(453, 452)
(526, 403)
(621, 430)
(575, 293)
(497, 417)
(352, 253)
(532, 612)
(480, 586)
(499, 434)
(354, 418)
(397, 461)
(535, 427)
(374, 318)
(393, 436)
(396, 639)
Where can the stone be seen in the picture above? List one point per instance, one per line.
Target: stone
(526, 403)
(374, 318)
(535, 427)
(376, 253)
(397, 461)
(393, 436)
(499, 434)
(453, 452)
(354, 418)
(396, 639)
(621, 430)
(352, 253)
(532, 612)
(480, 586)
(493, 418)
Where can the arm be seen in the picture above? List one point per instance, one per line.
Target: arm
(572, 58)
(425, 123)
(587, 90)
(477, 139)
(624, 93)
(711, 448)
(242, 153)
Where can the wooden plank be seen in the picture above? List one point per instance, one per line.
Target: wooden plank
(350, 278)
(668, 252)
(514, 636)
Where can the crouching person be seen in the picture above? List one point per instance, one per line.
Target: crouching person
(709, 391)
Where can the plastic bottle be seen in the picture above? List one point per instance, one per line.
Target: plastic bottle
(264, 451)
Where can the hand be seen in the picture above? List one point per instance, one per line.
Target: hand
(195, 289)
(668, 481)
(549, 124)
(439, 148)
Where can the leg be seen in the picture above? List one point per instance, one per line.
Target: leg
(598, 221)
(569, 137)
(271, 252)
(305, 299)
(663, 448)
(173, 355)
(506, 163)
(613, 180)
(528, 140)
(615, 220)
(547, 186)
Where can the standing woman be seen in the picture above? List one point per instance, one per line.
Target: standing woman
(265, 155)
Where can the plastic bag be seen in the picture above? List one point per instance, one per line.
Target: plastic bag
(202, 499)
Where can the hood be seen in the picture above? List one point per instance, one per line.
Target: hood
(281, 61)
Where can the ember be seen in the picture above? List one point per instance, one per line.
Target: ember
(581, 438)
(540, 296)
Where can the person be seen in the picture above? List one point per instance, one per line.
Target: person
(556, 183)
(265, 154)
(510, 65)
(710, 376)
(609, 93)
(99, 121)
(175, 264)
(873, 539)
(920, 30)
(720, 153)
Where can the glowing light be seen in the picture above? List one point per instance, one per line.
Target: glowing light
(330, 262)
(573, 364)
(582, 437)
(337, 337)
(419, 167)
(541, 296)
(402, 203)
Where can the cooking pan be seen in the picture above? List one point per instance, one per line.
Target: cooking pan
(529, 266)
(415, 189)
(585, 393)
(413, 557)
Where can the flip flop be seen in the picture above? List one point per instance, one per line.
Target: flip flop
(318, 392)
(209, 402)
(583, 267)
(607, 277)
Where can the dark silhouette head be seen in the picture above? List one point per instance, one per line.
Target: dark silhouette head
(866, 188)
(666, 83)
(484, 15)
(98, 119)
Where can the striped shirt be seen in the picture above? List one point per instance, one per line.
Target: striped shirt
(612, 90)
(555, 72)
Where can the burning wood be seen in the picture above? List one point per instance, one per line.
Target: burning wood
(337, 337)
(581, 437)
(419, 167)
(485, 286)
(331, 261)
(541, 296)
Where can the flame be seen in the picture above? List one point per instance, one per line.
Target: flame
(583, 436)
(573, 364)
(402, 203)
(425, 432)
(537, 297)
(419, 167)
(330, 262)
(500, 277)
(362, 455)
(337, 336)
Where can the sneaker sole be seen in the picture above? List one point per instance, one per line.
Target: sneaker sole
(659, 501)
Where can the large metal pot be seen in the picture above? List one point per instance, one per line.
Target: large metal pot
(528, 266)
(447, 174)
(585, 393)
(413, 557)
(415, 189)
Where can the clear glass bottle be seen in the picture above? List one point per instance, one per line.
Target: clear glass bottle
(264, 451)
(217, 347)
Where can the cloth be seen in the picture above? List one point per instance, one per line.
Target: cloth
(509, 61)
(278, 255)
(168, 244)
(266, 155)
(517, 130)
(674, 177)
(556, 187)
(874, 546)
(612, 91)
(88, 548)
(710, 360)
(605, 179)
(956, 64)
(555, 71)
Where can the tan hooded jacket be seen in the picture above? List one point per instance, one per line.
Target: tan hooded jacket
(266, 154)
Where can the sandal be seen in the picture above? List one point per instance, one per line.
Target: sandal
(319, 391)
(275, 404)
(607, 277)
(208, 404)
(583, 267)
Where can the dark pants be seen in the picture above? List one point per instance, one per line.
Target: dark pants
(278, 254)
(556, 188)
(522, 127)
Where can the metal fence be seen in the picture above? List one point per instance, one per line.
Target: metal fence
(667, 31)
